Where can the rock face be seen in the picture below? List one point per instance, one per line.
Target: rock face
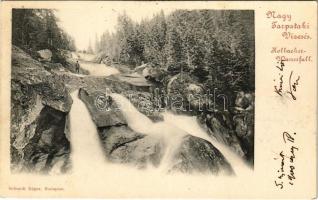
(39, 105)
(244, 101)
(220, 127)
(196, 155)
(244, 123)
(48, 145)
(33, 77)
(233, 127)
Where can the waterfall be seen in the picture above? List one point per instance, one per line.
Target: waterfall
(136, 120)
(87, 151)
(172, 129)
(86, 148)
(190, 125)
(170, 135)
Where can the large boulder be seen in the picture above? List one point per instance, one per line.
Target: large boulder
(45, 55)
(195, 96)
(104, 111)
(185, 89)
(121, 143)
(196, 155)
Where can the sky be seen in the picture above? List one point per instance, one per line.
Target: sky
(83, 23)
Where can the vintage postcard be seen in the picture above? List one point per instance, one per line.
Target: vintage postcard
(158, 99)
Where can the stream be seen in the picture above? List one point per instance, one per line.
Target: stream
(87, 148)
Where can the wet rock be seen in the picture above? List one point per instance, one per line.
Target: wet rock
(123, 145)
(38, 162)
(104, 111)
(244, 122)
(220, 127)
(196, 155)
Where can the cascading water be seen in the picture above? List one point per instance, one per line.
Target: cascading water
(88, 152)
(190, 125)
(86, 149)
(169, 134)
(136, 120)
(172, 129)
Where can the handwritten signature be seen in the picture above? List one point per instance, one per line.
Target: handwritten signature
(286, 170)
(293, 83)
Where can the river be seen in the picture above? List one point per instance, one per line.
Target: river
(95, 69)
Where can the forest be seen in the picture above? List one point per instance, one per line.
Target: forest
(37, 29)
(215, 47)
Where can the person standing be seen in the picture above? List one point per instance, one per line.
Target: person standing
(77, 67)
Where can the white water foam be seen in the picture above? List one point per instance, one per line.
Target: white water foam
(86, 150)
(190, 125)
(96, 69)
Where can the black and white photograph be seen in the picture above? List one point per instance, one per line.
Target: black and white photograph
(163, 91)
